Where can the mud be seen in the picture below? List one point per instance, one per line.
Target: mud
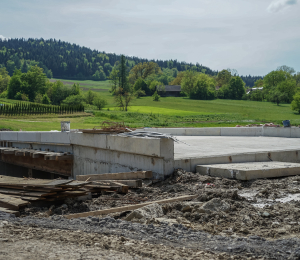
(229, 219)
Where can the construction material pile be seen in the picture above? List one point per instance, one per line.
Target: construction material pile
(107, 127)
(16, 193)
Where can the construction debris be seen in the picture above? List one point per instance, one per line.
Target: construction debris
(116, 176)
(108, 128)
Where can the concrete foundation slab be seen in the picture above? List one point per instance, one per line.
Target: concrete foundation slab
(249, 171)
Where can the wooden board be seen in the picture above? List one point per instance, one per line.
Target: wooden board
(11, 202)
(116, 176)
(25, 193)
(129, 183)
(9, 211)
(128, 208)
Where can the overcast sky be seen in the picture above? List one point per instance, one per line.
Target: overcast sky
(254, 36)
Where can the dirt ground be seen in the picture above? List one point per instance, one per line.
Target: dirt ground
(229, 219)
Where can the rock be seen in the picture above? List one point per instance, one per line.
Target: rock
(187, 208)
(148, 212)
(166, 220)
(215, 204)
(265, 214)
(64, 206)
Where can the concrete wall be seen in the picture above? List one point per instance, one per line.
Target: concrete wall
(96, 154)
(289, 132)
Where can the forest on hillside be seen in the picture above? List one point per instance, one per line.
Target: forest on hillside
(61, 59)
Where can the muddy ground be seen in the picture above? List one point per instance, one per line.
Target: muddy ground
(229, 219)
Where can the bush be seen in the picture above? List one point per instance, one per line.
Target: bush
(296, 103)
(38, 98)
(3, 94)
(155, 96)
(73, 100)
(99, 102)
(46, 100)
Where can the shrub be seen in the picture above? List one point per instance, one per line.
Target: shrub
(155, 96)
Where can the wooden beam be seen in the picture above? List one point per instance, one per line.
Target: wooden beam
(9, 211)
(9, 151)
(116, 176)
(129, 183)
(128, 208)
(11, 202)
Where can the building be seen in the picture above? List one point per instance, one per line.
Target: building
(169, 91)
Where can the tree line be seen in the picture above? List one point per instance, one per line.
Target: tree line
(70, 61)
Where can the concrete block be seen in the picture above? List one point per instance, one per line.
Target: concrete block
(9, 136)
(137, 145)
(241, 131)
(277, 131)
(55, 137)
(29, 137)
(250, 171)
(205, 131)
(167, 148)
(90, 140)
(295, 132)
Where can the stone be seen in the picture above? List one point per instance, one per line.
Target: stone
(265, 214)
(148, 212)
(215, 204)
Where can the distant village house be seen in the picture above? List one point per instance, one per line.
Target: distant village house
(169, 91)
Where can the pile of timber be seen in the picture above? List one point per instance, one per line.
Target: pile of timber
(119, 182)
(47, 155)
(16, 193)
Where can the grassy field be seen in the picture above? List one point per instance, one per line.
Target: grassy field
(87, 84)
(168, 112)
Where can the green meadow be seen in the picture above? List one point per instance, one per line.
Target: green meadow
(167, 112)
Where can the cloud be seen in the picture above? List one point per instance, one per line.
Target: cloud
(279, 5)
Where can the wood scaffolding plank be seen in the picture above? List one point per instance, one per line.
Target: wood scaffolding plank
(9, 211)
(116, 176)
(11, 202)
(128, 208)
(129, 183)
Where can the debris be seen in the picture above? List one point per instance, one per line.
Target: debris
(117, 176)
(108, 127)
(215, 204)
(128, 208)
(151, 211)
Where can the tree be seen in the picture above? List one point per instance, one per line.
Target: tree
(38, 98)
(277, 96)
(4, 79)
(296, 102)
(46, 100)
(99, 102)
(114, 80)
(89, 97)
(178, 79)
(140, 93)
(123, 94)
(73, 100)
(204, 87)
(140, 84)
(143, 70)
(287, 69)
(223, 78)
(155, 96)
(188, 81)
(237, 88)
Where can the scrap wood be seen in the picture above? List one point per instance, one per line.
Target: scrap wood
(108, 127)
(117, 176)
(128, 208)
(11, 202)
(9, 211)
(129, 183)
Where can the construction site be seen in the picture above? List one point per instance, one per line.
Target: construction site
(152, 193)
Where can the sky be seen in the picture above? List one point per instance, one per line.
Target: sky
(254, 37)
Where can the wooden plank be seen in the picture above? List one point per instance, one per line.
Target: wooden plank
(25, 193)
(128, 208)
(9, 151)
(9, 211)
(129, 183)
(116, 176)
(11, 202)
